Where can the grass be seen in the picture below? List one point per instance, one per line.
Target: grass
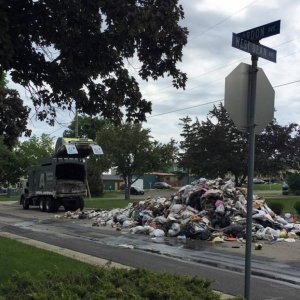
(287, 201)
(15, 256)
(106, 203)
(267, 187)
(30, 273)
(6, 198)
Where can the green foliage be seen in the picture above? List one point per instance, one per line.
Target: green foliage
(3, 81)
(94, 173)
(215, 147)
(293, 181)
(11, 165)
(297, 207)
(129, 148)
(13, 117)
(287, 202)
(107, 283)
(277, 207)
(73, 50)
(34, 150)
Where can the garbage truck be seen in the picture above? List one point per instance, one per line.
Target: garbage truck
(60, 180)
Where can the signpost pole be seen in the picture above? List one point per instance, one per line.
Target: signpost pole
(251, 146)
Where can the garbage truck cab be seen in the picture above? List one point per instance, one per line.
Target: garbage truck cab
(60, 180)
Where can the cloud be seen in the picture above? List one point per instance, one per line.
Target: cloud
(209, 57)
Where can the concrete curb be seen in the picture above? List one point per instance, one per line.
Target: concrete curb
(99, 262)
(92, 260)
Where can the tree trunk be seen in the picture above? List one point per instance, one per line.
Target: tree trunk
(127, 180)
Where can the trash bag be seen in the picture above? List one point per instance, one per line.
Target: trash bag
(196, 231)
(157, 233)
(235, 230)
(174, 230)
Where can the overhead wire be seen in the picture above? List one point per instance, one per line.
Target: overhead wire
(211, 102)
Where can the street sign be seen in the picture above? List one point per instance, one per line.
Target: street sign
(236, 98)
(253, 48)
(260, 32)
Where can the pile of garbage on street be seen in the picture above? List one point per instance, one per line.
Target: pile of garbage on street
(212, 210)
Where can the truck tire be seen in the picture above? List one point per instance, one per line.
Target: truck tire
(80, 203)
(49, 204)
(24, 202)
(57, 205)
(42, 204)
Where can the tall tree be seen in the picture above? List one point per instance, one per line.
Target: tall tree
(10, 165)
(13, 114)
(34, 150)
(130, 149)
(76, 51)
(216, 147)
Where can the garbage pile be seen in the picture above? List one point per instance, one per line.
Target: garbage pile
(207, 210)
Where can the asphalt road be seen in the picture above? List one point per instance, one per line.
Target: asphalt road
(275, 269)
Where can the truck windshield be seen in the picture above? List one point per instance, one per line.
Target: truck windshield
(70, 172)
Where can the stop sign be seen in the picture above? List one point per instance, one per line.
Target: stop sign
(236, 98)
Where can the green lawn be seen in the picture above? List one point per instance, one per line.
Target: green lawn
(15, 256)
(6, 198)
(267, 187)
(28, 273)
(107, 203)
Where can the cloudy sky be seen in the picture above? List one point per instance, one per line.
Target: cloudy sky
(209, 57)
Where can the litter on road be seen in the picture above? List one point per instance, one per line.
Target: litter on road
(212, 210)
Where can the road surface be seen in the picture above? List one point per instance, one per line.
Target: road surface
(275, 268)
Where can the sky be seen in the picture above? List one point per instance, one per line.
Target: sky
(208, 58)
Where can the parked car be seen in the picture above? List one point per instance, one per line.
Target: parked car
(161, 185)
(258, 181)
(3, 190)
(134, 190)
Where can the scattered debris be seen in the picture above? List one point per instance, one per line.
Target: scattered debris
(211, 210)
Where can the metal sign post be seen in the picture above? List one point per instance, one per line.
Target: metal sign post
(248, 41)
(251, 150)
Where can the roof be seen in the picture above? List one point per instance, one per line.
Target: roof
(112, 177)
(161, 174)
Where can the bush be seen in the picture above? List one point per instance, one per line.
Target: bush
(297, 207)
(294, 183)
(277, 207)
(108, 284)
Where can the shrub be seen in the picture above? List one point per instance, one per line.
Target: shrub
(294, 182)
(297, 207)
(277, 207)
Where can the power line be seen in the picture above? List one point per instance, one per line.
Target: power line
(210, 102)
(223, 20)
(284, 84)
(169, 112)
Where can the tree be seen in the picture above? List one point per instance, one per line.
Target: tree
(10, 165)
(33, 151)
(76, 51)
(216, 147)
(129, 148)
(277, 149)
(13, 116)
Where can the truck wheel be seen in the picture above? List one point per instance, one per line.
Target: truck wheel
(49, 204)
(24, 202)
(57, 205)
(80, 203)
(42, 204)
